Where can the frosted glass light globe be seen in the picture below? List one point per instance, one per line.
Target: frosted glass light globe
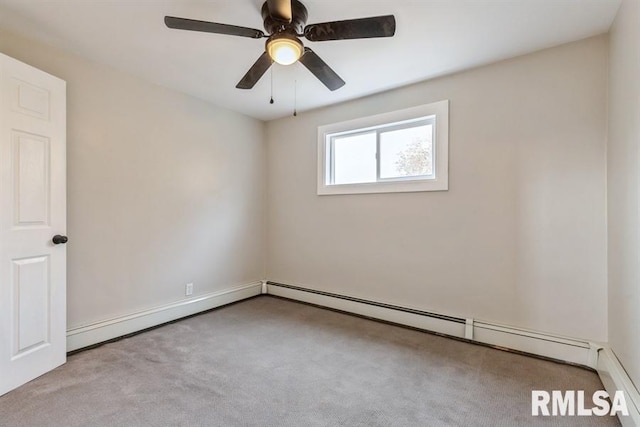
(284, 50)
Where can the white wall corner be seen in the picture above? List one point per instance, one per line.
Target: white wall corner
(614, 378)
(265, 287)
(98, 332)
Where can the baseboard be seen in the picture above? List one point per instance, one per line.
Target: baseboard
(564, 349)
(614, 377)
(448, 325)
(98, 332)
(571, 350)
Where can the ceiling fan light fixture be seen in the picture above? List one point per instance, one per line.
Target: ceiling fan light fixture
(284, 49)
(285, 23)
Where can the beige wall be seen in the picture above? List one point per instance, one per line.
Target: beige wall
(520, 237)
(623, 175)
(163, 189)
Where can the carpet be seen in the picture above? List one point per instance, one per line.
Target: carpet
(273, 362)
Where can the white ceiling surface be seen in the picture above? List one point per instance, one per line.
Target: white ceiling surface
(433, 38)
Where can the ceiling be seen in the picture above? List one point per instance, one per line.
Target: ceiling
(433, 38)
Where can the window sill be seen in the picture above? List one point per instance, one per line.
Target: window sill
(384, 187)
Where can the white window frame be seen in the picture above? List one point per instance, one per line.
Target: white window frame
(439, 181)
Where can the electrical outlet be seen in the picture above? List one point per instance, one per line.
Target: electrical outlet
(188, 289)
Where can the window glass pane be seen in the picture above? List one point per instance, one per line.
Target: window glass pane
(354, 158)
(406, 152)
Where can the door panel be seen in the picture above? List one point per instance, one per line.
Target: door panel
(30, 99)
(32, 211)
(31, 300)
(31, 179)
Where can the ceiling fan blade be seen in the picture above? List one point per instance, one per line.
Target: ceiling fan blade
(321, 70)
(211, 27)
(364, 28)
(280, 10)
(256, 71)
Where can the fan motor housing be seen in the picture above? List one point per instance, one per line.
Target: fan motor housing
(298, 19)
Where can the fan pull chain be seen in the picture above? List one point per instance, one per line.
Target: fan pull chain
(271, 100)
(295, 98)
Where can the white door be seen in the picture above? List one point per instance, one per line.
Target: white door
(32, 211)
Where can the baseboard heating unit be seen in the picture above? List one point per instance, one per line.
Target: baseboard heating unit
(540, 344)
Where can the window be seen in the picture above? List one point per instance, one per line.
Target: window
(400, 151)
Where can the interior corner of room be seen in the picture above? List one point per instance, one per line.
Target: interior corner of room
(176, 206)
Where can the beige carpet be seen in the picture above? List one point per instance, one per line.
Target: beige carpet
(272, 362)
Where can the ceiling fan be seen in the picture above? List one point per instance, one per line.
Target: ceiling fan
(284, 21)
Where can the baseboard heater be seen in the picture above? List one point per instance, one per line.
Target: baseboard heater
(539, 344)
(374, 303)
